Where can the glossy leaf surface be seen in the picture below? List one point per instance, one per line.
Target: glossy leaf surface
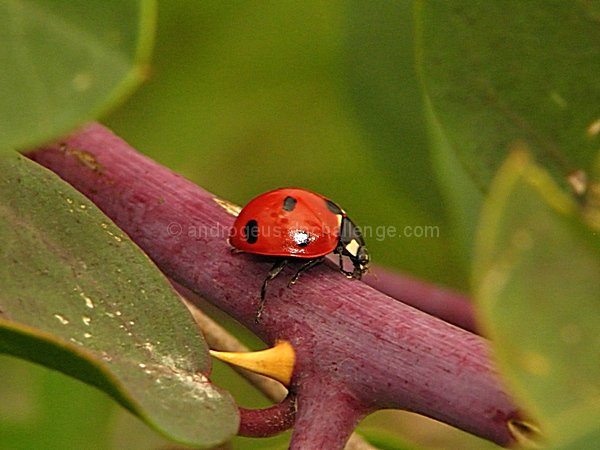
(78, 296)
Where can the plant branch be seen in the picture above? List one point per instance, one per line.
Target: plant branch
(444, 303)
(379, 352)
(327, 414)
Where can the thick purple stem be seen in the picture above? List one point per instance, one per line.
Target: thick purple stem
(384, 353)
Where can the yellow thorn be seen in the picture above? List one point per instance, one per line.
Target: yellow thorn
(276, 362)
(527, 434)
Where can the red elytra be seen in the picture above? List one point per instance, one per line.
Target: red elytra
(294, 223)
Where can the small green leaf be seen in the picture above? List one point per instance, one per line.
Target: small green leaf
(537, 280)
(65, 61)
(505, 73)
(78, 296)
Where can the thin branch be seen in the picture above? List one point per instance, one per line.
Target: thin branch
(444, 303)
(327, 413)
(218, 338)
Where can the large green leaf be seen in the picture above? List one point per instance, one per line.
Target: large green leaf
(461, 195)
(503, 73)
(537, 279)
(78, 296)
(383, 86)
(65, 61)
(387, 102)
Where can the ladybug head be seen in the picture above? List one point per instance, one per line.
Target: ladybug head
(352, 245)
(360, 261)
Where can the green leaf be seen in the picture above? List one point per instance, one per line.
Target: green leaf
(508, 73)
(460, 193)
(385, 93)
(537, 280)
(78, 296)
(387, 102)
(65, 61)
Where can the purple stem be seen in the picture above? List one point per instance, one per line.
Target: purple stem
(269, 421)
(440, 302)
(348, 337)
(327, 413)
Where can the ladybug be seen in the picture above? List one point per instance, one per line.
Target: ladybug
(294, 224)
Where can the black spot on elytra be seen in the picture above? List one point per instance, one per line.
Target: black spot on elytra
(333, 207)
(289, 203)
(251, 231)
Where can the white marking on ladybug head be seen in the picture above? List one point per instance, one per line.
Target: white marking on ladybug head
(352, 247)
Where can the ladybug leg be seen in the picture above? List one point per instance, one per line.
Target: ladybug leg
(306, 266)
(341, 264)
(275, 270)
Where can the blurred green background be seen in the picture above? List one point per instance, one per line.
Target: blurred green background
(243, 97)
